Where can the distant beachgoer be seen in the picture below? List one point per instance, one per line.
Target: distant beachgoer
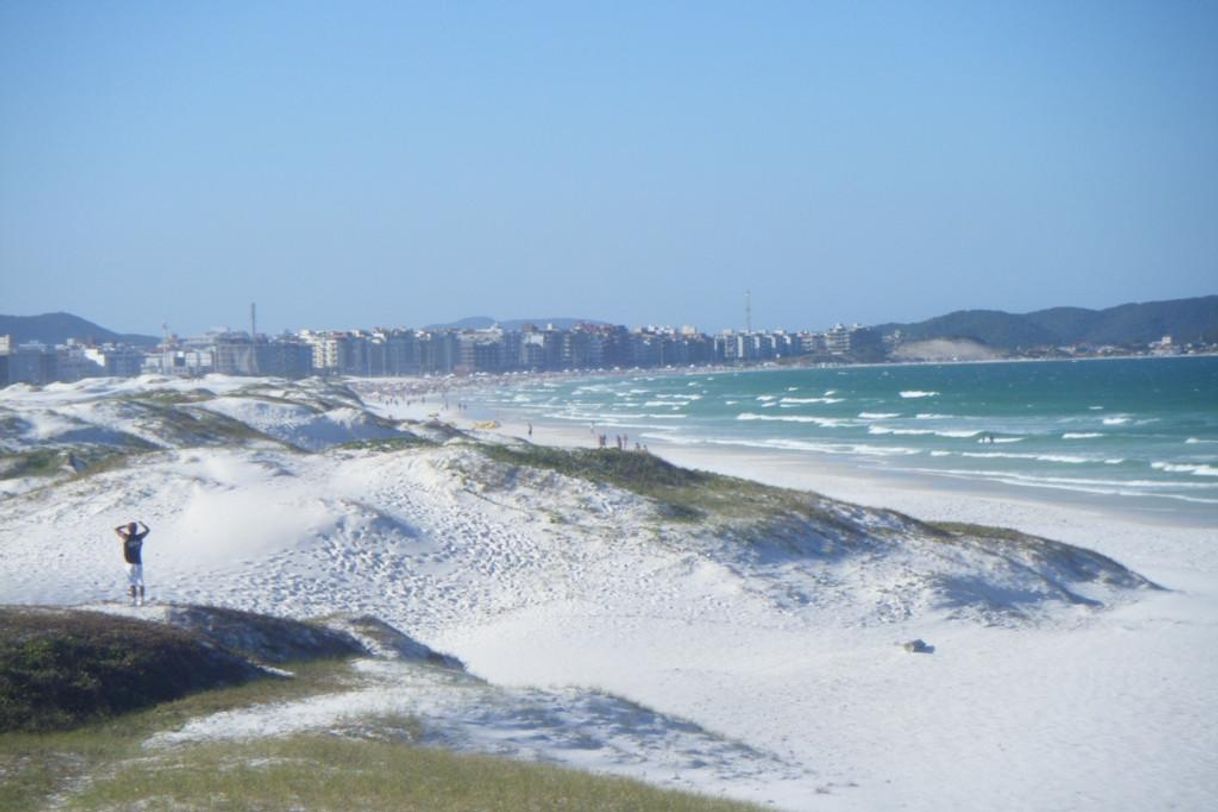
(133, 545)
(530, 429)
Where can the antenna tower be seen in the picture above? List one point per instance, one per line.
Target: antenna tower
(254, 338)
(166, 353)
(748, 311)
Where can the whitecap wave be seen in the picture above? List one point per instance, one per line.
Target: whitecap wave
(905, 432)
(956, 434)
(1007, 455)
(1081, 435)
(856, 449)
(811, 400)
(1197, 469)
(827, 422)
(879, 415)
(918, 393)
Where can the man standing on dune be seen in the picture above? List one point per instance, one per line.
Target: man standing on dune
(133, 543)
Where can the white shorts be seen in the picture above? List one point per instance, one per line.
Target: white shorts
(135, 574)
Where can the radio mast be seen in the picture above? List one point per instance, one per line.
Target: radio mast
(253, 338)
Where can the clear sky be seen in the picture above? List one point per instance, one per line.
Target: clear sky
(349, 164)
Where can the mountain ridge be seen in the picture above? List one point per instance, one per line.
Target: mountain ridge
(1133, 323)
(1193, 319)
(58, 327)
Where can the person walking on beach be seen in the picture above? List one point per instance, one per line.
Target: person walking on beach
(133, 544)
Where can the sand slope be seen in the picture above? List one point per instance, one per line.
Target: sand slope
(1054, 683)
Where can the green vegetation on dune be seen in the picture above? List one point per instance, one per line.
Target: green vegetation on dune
(804, 522)
(173, 397)
(963, 529)
(35, 463)
(330, 773)
(197, 426)
(80, 460)
(681, 493)
(61, 667)
(38, 766)
(388, 444)
(172, 417)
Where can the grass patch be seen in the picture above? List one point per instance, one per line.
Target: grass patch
(682, 494)
(101, 460)
(81, 460)
(192, 426)
(35, 767)
(374, 765)
(169, 397)
(958, 529)
(59, 669)
(329, 773)
(388, 444)
(40, 462)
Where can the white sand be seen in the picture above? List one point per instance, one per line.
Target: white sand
(562, 586)
(1119, 712)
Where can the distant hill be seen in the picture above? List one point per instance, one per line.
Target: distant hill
(486, 322)
(57, 328)
(1133, 324)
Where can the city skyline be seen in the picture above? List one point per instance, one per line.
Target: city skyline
(391, 164)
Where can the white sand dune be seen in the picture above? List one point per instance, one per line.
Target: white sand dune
(758, 661)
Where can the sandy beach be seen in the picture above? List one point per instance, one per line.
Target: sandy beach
(1099, 523)
(1070, 719)
(769, 677)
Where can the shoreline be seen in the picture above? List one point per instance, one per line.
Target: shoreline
(566, 588)
(1141, 537)
(1100, 673)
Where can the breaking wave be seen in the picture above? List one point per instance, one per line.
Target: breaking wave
(811, 400)
(1183, 468)
(827, 422)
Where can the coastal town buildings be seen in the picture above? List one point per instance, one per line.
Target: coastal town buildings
(452, 351)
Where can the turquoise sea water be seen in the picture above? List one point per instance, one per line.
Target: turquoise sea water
(1145, 428)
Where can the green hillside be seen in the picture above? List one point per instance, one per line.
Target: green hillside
(1185, 320)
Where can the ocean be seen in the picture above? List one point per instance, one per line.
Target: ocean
(1143, 429)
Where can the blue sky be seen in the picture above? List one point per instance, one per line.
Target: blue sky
(367, 163)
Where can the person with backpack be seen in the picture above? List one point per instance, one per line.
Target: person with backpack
(133, 543)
